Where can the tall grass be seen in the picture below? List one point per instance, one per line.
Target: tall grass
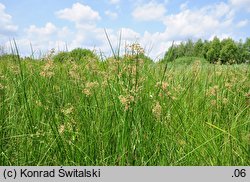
(123, 112)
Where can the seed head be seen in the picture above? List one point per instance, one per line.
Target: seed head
(224, 100)
(67, 110)
(126, 101)
(157, 110)
(61, 129)
(213, 102)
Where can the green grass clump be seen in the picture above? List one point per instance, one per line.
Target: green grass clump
(123, 112)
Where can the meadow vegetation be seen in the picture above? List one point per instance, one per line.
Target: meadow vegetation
(80, 110)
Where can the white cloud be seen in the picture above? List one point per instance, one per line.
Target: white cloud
(130, 35)
(242, 23)
(43, 39)
(242, 4)
(86, 34)
(111, 14)
(150, 11)
(220, 10)
(206, 22)
(6, 25)
(79, 13)
(155, 44)
(199, 23)
(64, 33)
(47, 30)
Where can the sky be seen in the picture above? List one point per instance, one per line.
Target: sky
(154, 24)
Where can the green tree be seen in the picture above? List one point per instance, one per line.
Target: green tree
(213, 52)
(229, 51)
(247, 50)
(242, 52)
(205, 48)
(189, 48)
(171, 54)
(181, 49)
(198, 48)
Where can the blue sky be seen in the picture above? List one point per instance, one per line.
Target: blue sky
(154, 24)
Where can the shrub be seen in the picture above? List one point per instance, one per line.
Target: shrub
(61, 57)
(77, 54)
(80, 54)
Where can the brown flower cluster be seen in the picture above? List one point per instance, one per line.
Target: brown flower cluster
(213, 91)
(15, 69)
(73, 72)
(166, 90)
(135, 49)
(89, 86)
(157, 110)
(67, 110)
(126, 101)
(67, 127)
(48, 69)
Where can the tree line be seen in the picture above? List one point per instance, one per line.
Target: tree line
(226, 51)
